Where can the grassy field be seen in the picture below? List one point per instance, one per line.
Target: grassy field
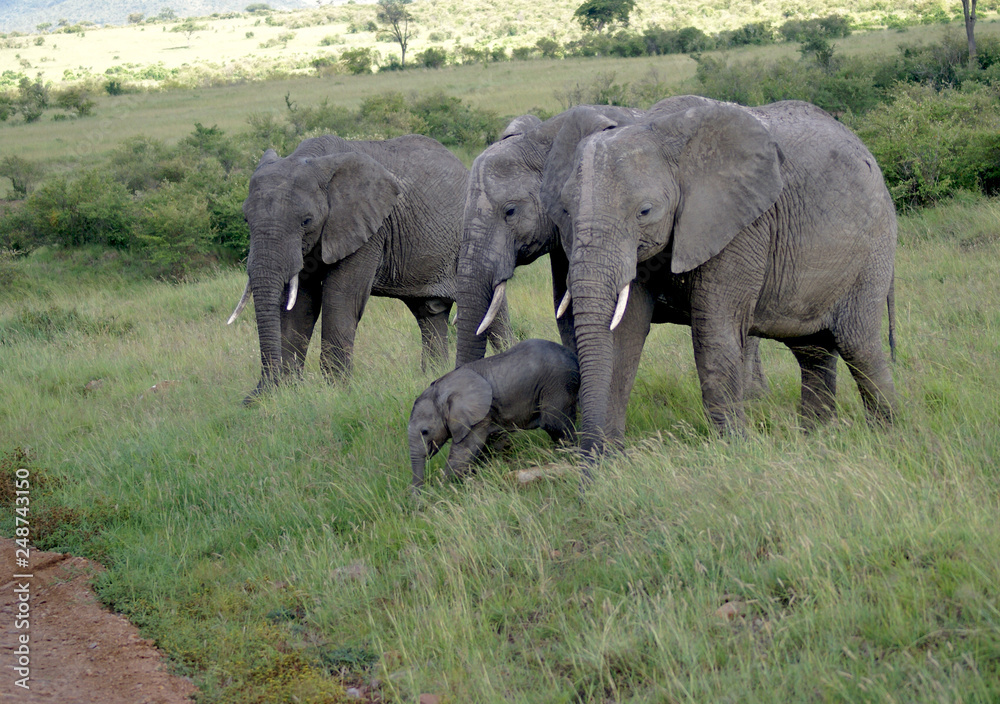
(509, 89)
(276, 555)
(274, 551)
(251, 43)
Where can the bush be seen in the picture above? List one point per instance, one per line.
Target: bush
(432, 57)
(830, 27)
(358, 61)
(32, 98)
(752, 34)
(92, 208)
(174, 232)
(453, 123)
(75, 99)
(934, 144)
(549, 48)
(22, 174)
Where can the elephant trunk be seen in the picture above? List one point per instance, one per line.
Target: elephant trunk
(419, 454)
(273, 283)
(482, 274)
(593, 305)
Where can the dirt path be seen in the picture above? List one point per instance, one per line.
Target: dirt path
(79, 653)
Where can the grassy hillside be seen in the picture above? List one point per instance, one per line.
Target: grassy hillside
(284, 42)
(274, 551)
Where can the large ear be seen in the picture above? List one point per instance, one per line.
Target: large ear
(577, 123)
(465, 398)
(361, 193)
(520, 125)
(728, 172)
(269, 156)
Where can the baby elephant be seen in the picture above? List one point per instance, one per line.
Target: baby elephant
(532, 385)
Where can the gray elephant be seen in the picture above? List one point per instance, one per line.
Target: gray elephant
(337, 221)
(513, 216)
(773, 221)
(532, 385)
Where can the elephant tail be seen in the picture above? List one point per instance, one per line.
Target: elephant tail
(891, 306)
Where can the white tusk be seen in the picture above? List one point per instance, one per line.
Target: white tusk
(293, 292)
(498, 294)
(563, 305)
(620, 308)
(241, 305)
(454, 318)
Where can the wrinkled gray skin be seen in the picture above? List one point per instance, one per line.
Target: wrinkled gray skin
(532, 385)
(352, 219)
(513, 215)
(773, 221)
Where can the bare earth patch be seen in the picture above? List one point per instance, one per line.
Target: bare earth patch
(80, 652)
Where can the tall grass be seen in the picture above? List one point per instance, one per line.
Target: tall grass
(274, 552)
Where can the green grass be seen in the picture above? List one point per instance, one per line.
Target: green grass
(274, 552)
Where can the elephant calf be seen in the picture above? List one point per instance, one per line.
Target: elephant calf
(532, 385)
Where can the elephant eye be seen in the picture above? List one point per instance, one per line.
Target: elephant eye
(509, 212)
(423, 431)
(645, 210)
(305, 223)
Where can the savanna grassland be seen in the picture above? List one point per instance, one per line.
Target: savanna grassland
(274, 552)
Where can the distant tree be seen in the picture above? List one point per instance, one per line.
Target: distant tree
(23, 174)
(969, 10)
(358, 61)
(44, 26)
(397, 18)
(32, 98)
(189, 27)
(135, 17)
(258, 7)
(167, 14)
(595, 15)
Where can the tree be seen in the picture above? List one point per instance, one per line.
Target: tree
(397, 18)
(595, 15)
(969, 10)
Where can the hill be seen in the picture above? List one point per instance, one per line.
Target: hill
(26, 15)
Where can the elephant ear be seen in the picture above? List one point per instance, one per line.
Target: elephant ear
(465, 399)
(520, 125)
(269, 157)
(728, 173)
(361, 194)
(578, 123)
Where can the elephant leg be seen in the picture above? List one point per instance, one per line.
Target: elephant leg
(817, 358)
(861, 348)
(465, 452)
(718, 335)
(628, 340)
(432, 319)
(755, 383)
(559, 426)
(298, 323)
(346, 290)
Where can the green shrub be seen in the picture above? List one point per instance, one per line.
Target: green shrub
(432, 57)
(358, 61)
(933, 144)
(453, 123)
(830, 27)
(91, 208)
(174, 231)
(75, 99)
(142, 163)
(32, 98)
(22, 174)
(549, 48)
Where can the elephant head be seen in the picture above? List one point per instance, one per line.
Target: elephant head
(507, 222)
(449, 408)
(306, 211)
(677, 186)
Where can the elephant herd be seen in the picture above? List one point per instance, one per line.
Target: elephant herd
(741, 223)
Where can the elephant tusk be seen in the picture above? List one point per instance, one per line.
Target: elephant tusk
(241, 305)
(563, 305)
(498, 296)
(620, 308)
(293, 291)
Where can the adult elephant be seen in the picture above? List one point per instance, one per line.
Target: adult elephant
(772, 221)
(337, 221)
(513, 216)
